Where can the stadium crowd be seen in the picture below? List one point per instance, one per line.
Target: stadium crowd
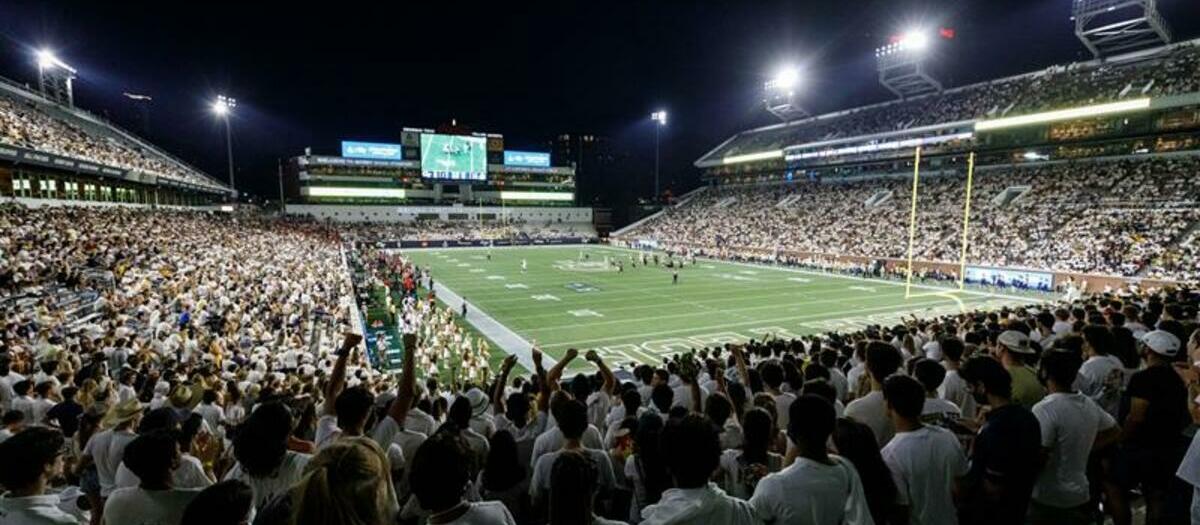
(214, 355)
(1175, 71)
(440, 230)
(1116, 217)
(26, 125)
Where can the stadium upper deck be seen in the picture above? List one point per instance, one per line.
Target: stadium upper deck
(65, 145)
(1158, 73)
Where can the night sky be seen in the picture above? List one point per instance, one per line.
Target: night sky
(307, 76)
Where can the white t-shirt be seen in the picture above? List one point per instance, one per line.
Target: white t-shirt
(107, 449)
(925, 464)
(1070, 423)
(683, 397)
(707, 505)
(539, 486)
(34, 510)
(840, 384)
(1102, 378)
(189, 475)
(935, 409)
(783, 404)
(485, 513)
(266, 488)
(552, 440)
(738, 480)
(808, 492)
(871, 410)
(135, 505)
(954, 389)
(327, 431)
(213, 415)
(1189, 471)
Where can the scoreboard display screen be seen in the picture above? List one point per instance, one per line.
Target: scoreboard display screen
(453, 157)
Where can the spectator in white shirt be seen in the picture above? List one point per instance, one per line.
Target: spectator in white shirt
(21, 400)
(882, 361)
(953, 388)
(1072, 426)
(440, 474)
(572, 422)
(926, 461)
(228, 502)
(345, 410)
(574, 488)
(817, 488)
(692, 450)
(263, 459)
(11, 424)
(31, 460)
(43, 402)
(152, 457)
(212, 412)
(931, 375)
(106, 449)
(1102, 376)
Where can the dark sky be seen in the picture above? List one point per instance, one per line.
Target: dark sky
(311, 76)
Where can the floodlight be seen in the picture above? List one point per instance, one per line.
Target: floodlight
(786, 78)
(915, 40)
(660, 117)
(223, 105)
(46, 59)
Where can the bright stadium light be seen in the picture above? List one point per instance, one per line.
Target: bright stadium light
(222, 107)
(660, 118)
(46, 59)
(915, 40)
(786, 78)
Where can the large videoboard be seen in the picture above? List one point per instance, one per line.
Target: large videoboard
(453, 157)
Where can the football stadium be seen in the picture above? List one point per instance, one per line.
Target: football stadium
(942, 268)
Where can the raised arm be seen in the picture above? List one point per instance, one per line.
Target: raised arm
(610, 381)
(408, 378)
(555, 374)
(739, 359)
(337, 378)
(498, 388)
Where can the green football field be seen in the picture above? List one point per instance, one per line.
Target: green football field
(571, 297)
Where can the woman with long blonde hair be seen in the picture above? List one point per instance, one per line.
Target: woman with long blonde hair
(349, 482)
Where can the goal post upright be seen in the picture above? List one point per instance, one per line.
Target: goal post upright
(912, 222)
(962, 260)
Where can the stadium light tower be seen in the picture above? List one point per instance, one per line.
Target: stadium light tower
(780, 94)
(660, 119)
(1107, 27)
(223, 108)
(902, 64)
(55, 78)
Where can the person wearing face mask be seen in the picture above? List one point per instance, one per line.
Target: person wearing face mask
(1006, 456)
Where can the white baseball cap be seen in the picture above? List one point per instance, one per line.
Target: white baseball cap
(1162, 342)
(1015, 341)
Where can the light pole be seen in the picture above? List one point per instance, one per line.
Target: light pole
(55, 78)
(660, 119)
(222, 108)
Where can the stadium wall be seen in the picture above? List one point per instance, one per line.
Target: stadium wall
(401, 214)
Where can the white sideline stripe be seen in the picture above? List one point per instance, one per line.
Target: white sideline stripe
(506, 339)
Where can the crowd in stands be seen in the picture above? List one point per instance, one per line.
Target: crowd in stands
(206, 389)
(1175, 71)
(1109, 217)
(440, 230)
(27, 125)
